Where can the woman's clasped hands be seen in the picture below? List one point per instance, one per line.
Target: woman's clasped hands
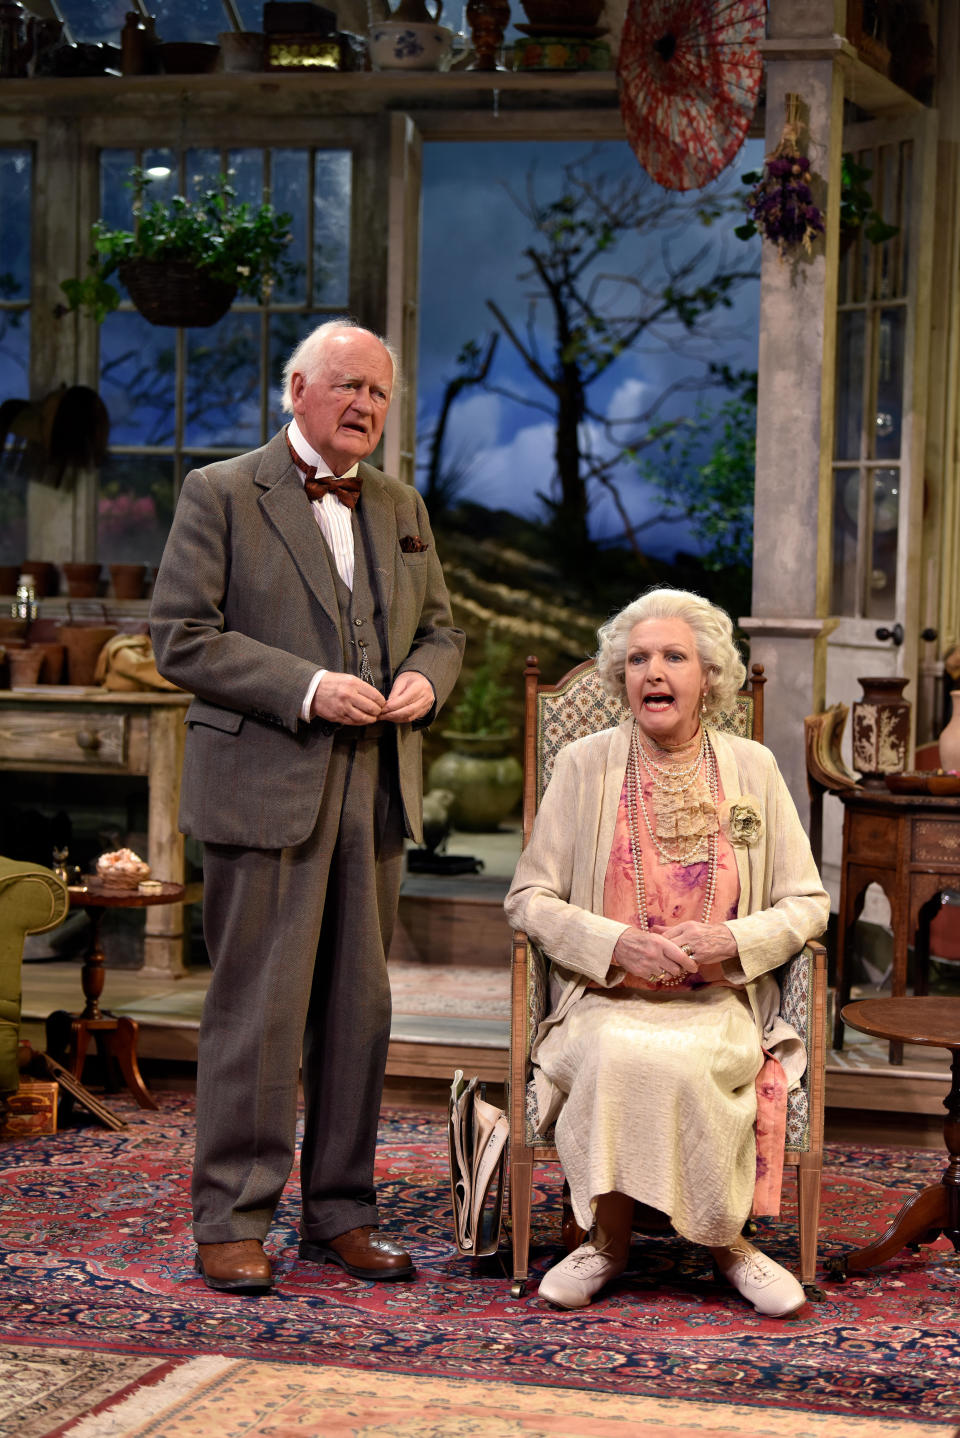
(664, 957)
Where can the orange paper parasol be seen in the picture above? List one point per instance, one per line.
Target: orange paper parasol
(690, 74)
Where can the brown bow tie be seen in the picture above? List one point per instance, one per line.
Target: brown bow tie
(346, 490)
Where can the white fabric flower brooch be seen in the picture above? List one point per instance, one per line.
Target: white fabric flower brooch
(740, 821)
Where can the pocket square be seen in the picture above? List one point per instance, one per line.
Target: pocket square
(412, 544)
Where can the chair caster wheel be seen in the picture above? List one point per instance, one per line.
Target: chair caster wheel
(814, 1293)
(517, 1287)
(837, 1269)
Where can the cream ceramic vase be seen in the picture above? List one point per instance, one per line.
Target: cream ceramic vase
(949, 740)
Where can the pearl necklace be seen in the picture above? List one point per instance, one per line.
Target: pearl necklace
(635, 803)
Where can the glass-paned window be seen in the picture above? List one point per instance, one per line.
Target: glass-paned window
(16, 176)
(869, 397)
(178, 398)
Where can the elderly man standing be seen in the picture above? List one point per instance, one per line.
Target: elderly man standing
(301, 601)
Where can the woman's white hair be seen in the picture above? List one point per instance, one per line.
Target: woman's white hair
(712, 628)
(307, 356)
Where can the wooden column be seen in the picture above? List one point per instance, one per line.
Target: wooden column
(791, 556)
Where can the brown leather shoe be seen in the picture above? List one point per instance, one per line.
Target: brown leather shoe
(362, 1252)
(238, 1267)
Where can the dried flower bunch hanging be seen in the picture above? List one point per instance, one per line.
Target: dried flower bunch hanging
(781, 206)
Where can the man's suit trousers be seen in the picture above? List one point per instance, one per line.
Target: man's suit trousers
(298, 940)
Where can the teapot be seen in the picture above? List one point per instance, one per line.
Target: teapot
(16, 39)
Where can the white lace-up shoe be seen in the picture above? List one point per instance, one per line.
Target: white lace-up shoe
(574, 1281)
(771, 1289)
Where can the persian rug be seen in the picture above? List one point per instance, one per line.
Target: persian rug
(94, 1233)
(274, 1400)
(42, 1388)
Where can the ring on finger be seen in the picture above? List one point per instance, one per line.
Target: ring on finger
(688, 950)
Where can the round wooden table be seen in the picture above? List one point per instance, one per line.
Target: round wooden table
(68, 1035)
(936, 1022)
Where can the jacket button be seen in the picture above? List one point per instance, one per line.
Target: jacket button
(358, 623)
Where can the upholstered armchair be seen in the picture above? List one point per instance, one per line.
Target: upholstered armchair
(32, 899)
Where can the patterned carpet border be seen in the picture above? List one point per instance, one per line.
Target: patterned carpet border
(94, 1231)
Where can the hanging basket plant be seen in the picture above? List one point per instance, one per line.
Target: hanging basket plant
(781, 207)
(175, 292)
(184, 262)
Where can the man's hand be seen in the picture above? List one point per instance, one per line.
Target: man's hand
(410, 698)
(345, 699)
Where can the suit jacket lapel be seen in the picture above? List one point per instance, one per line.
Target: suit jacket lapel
(286, 506)
(379, 519)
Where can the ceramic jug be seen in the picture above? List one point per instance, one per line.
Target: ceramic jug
(949, 741)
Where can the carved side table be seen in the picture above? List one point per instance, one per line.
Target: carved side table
(936, 1210)
(909, 844)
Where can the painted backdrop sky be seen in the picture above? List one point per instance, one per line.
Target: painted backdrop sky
(473, 237)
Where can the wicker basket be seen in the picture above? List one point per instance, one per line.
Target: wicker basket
(175, 292)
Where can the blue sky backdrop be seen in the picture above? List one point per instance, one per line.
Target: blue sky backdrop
(473, 236)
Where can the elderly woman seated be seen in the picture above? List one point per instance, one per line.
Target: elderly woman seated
(667, 876)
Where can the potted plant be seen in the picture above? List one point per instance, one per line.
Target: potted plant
(484, 778)
(184, 262)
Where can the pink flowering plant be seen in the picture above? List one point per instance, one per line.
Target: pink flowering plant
(236, 244)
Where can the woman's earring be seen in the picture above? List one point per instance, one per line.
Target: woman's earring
(703, 702)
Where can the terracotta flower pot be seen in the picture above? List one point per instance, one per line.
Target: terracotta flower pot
(83, 580)
(11, 628)
(83, 643)
(43, 574)
(128, 580)
(24, 666)
(51, 669)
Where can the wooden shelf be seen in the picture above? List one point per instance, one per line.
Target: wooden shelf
(325, 92)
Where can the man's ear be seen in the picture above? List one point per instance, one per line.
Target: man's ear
(297, 385)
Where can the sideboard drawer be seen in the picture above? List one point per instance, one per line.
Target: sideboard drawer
(936, 841)
(64, 738)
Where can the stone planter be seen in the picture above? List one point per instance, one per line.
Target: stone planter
(485, 780)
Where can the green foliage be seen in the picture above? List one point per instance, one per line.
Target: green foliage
(712, 488)
(483, 702)
(856, 204)
(237, 244)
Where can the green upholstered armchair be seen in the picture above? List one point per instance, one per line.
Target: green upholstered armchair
(32, 899)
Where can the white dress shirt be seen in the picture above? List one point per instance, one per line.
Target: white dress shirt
(336, 525)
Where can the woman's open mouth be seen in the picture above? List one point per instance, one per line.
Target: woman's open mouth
(658, 702)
